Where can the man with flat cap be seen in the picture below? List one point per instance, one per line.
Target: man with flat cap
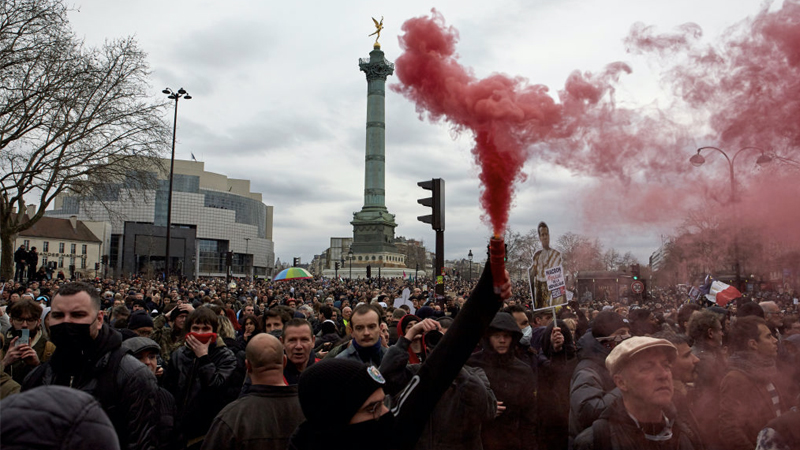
(644, 417)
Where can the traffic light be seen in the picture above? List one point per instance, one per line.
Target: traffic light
(295, 262)
(435, 202)
(369, 271)
(635, 271)
(336, 265)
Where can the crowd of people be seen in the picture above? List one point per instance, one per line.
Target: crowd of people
(305, 364)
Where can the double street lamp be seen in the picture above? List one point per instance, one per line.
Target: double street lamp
(697, 160)
(172, 96)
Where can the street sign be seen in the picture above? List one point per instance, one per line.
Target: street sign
(637, 287)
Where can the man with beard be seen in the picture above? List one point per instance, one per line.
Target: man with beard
(643, 418)
(752, 393)
(89, 357)
(298, 341)
(21, 359)
(344, 402)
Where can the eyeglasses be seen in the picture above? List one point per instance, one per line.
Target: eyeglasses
(374, 408)
(19, 322)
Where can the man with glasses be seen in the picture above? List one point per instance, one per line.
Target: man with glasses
(20, 356)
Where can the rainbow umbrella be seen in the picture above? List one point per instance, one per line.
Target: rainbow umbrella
(293, 273)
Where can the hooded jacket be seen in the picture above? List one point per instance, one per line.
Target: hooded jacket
(553, 389)
(128, 397)
(592, 389)
(513, 383)
(199, 386)
(55, 417)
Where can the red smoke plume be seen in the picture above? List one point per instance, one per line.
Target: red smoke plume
(505, 115)
(744, 90)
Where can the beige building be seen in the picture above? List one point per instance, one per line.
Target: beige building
(67, 245)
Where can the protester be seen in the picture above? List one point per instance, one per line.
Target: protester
(705, 329)
(147, 351)
(558, 362)
(366, 343)
(88, 357)
(643, 418)
(198, 374)
(513, 384)
(55, 417)
(362, 419)
(20, 359)
(592, 389)
(752, 393)
(268, 414)
(298, 342)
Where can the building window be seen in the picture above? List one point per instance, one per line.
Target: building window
(61, 261)
(61, 250)
(27, 244)
(46, 246)
(44, 261)
(83, 249)
(72, 248)
(83, 262)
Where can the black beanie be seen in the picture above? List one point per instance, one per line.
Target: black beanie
(139, 319)
(332, 390)
(606, 323)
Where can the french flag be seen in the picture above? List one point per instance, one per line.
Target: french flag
(721, 293)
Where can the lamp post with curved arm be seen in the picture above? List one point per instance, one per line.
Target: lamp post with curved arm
(697, 160)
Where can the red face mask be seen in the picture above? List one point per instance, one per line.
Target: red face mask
(205, 338)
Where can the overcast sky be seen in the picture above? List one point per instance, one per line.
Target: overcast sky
(278, 99)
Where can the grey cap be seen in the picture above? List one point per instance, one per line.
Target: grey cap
(139, 344)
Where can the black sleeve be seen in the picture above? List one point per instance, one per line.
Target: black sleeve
(412, 408)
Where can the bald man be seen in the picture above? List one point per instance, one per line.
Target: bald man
(267, 415)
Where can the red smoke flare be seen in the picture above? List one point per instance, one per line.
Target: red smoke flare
(505, 115)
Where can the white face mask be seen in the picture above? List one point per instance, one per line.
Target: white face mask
(527, 332)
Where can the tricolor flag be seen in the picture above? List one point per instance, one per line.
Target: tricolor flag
(721, 293)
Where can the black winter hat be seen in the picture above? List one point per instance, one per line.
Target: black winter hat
(139, 319)
(332, 390)
(606, 323)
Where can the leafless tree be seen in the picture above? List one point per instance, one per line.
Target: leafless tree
(73, 119)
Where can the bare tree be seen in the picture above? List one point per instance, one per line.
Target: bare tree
(579, 253)
(521, 248)
(72, 119)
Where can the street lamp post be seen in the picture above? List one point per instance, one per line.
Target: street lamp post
(172, 96)
(350, 257)
(247, 255)
(469, 256)
(697, 160)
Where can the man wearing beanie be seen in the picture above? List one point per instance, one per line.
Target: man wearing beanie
(141, 323)
(343, 399)
(592, 389)
(643, 418)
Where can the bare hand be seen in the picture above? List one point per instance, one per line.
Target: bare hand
(12, 355)
(421, 328)
(196, 346)
(557, 339)
(500, 409)
(186, 307)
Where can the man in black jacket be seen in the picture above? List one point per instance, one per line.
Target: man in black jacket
(32, 260)
(512, 382)
(20, 261)
(198, 375)
(267, 415)
(344, 402)
(88, 357)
